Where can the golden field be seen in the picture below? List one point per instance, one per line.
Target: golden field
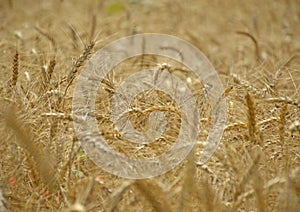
(253, 45)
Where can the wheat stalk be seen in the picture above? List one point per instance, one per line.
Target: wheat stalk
(44, 162)
(253, 39)
(286, 100)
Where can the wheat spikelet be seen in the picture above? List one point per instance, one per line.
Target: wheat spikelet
(50, 69)
(278, 73)
(15, 71)
(47, 74)
(78, 63)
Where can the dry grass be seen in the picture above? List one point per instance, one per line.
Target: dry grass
(254, 46)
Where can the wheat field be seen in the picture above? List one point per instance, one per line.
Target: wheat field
(253, 45)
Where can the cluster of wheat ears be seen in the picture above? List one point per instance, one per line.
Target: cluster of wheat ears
(45, 44)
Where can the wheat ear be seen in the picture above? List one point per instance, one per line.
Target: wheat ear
(79, 62)
(251, 120)
(15, 71)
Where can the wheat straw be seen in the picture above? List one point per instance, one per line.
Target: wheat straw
(44, 162)
(286, 100)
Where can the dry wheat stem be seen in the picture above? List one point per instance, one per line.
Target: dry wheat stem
(44, 162)
(253, 39)
(286, 100)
